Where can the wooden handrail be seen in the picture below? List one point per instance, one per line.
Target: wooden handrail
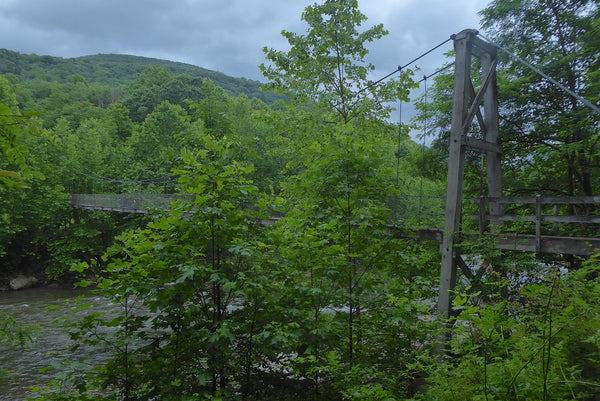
(545, 200)
(537, 217)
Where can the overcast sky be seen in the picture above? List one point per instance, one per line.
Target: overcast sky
(221, 35)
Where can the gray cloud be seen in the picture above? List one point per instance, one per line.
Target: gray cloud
(226, 36)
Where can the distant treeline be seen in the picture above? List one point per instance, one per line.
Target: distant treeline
(118, 69)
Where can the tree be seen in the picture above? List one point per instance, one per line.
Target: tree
(337, 249)
(346, 268)
(13, 154)
(195, 272)
(14, 162)
(154, 145)
(554, 136)
(121, 124)
(156, 84)
(212, 109)
(327, 65)
(14, 128)
(144, 92)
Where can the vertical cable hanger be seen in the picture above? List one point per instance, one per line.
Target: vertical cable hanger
(423, 148)
(399, 142)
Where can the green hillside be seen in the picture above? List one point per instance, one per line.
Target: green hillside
(116, 69)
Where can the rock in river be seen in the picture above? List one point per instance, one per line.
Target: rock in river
(21, 282)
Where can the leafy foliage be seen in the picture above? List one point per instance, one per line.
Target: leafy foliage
(542, 345)
(555, 127)
(278, 274)
(110, 71)
(327, 65)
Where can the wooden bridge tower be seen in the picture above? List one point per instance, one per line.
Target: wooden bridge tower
(466, 107)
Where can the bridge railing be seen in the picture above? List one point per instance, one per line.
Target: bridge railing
(125, 203)
(537, 222)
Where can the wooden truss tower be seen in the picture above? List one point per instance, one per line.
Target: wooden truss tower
(465, 108)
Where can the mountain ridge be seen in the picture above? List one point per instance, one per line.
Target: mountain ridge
(117, 69)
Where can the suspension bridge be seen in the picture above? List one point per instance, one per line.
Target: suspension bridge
(540, 224)
(123, 203)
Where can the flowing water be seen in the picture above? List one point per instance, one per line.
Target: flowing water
(40, 307)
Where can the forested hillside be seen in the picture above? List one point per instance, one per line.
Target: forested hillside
(279, 273)
(116, 70)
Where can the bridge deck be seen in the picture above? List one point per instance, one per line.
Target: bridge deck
(143, 203)
(123, 203)
(551, 244)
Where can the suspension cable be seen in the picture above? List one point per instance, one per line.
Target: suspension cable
(549, 78)
(444, 68)
(97, 177)
(399, 143)
(400, 68)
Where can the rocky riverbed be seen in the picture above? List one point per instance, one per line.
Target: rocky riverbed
(39, 308)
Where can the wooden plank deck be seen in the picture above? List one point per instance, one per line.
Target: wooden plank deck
(552, 244)
(123, 203)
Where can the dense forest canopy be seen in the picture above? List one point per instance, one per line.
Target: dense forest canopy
(279, 274)
(116, 70)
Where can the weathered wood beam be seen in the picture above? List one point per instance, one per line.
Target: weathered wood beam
(481, 48)
(456, 166)
(544, 218)
(480, 145)
(489, 77)
(427, 234)
(480, 119)
(548, 244)
(492, 132)
(545, 200)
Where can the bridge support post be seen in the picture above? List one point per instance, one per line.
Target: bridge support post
(466, 106)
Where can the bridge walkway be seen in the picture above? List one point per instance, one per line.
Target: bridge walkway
(541, 222)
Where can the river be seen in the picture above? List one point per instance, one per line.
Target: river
(39, 306)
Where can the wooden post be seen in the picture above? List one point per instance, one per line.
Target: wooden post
(467, 45)
(492, 133)
(482, 221)
(456, 166)
(538, 223)
(556, 209)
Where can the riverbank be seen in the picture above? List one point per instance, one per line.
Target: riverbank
(19, 282)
